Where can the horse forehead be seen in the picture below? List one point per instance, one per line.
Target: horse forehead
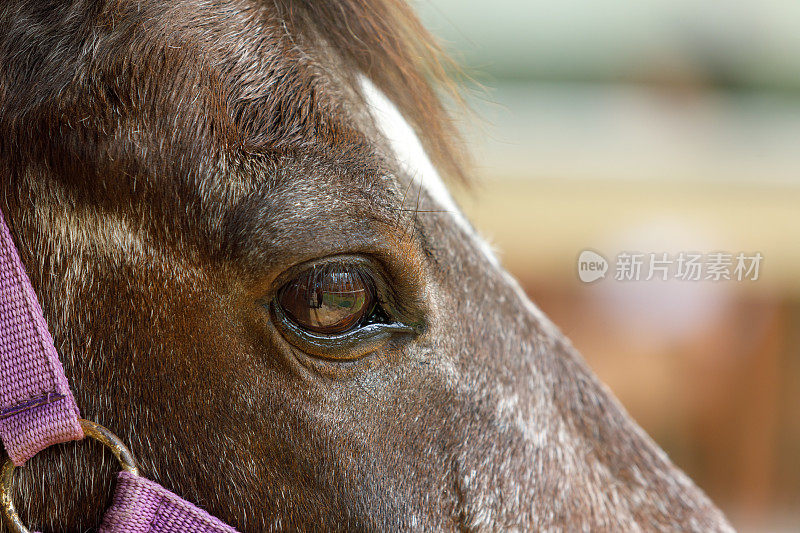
(228, 76)
(243, 88)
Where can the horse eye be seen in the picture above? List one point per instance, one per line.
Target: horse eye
(328, 300)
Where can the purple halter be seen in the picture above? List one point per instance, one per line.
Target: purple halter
(37, 410)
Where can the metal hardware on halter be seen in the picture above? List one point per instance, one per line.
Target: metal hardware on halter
(90, 429)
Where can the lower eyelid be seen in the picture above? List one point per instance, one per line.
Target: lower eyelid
(345, 346)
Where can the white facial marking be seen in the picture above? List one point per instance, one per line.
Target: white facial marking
(411, 155)
(406, 146)
(415, 161)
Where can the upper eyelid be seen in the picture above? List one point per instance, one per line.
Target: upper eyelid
(319, 276)
(367, 267)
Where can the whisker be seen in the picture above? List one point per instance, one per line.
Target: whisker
(425, 210)
(413, 221)
(403, 201)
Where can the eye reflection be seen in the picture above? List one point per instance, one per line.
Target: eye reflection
(329, 299)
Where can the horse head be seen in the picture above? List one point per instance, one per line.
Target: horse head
(233, 216)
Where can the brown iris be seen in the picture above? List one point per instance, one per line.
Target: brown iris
(330, 299)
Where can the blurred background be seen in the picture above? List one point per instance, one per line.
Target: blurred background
(660, 126)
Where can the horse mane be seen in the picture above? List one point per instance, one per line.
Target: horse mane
(386, 41)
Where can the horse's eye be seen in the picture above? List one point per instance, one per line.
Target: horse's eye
(331, 310)
(328, 300)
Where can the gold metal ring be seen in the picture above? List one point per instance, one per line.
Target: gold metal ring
(90, 429)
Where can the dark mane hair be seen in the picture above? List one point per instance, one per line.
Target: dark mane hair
(385, 40)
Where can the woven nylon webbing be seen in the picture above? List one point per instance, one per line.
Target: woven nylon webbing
(37, 409)
(36, 405)
(142, 506)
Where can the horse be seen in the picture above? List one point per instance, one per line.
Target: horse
(235, 218)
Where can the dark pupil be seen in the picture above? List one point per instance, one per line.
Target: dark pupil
(330, 300)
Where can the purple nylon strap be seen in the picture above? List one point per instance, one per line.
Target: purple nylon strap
(141, 506)
(37, 409)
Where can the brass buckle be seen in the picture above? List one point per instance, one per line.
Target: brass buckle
(90, 429)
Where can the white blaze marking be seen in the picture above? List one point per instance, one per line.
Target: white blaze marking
(410, 153)
(407, 147)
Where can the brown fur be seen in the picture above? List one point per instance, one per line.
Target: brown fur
(164, 162)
